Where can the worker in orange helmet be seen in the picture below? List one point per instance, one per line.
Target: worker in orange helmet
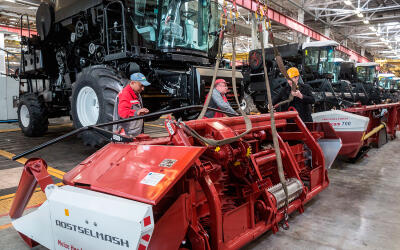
(302, 96)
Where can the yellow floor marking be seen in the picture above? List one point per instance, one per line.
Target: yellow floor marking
(5, 226)
(153, 125)
(9, 130)
(52, 126)
(8, 196)
(52, 171)
(38, 197)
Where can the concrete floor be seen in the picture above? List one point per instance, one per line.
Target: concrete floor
(359, 210)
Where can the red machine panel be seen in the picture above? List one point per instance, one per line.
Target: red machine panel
(139, 172)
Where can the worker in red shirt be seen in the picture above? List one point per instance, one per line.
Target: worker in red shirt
(219, 100)
(130, 104)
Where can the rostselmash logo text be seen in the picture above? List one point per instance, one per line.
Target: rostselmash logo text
(89, 232)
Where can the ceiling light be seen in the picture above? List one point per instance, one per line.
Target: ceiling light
(360, 15)
(357, 11)
(11, 1)
(372, 28)
(390, 47)
(347, 2)
(382, 39)
(377, 34)
(366, 21)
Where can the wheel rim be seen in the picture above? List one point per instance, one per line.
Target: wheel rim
(243, 104)
(24, 116)
(87, 106)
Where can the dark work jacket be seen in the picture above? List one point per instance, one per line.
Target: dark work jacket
(303, 106)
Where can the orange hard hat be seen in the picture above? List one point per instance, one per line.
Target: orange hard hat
(293, 72)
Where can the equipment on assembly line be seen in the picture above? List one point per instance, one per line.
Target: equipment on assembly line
(390, 87)
(363, 126)
(367, 74)
(315, 60)
(335, 82)
(177, 192)
(85, 52)
(211, 184)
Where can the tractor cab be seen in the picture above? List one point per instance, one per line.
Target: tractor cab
(385, 81)
(396, 83)
(388, 83)
(177, 26)
(319, 59)
(366, 72)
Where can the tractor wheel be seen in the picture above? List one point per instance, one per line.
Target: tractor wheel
(32, 115)
(93, 99)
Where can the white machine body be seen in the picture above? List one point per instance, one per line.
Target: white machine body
(342, 121)
(76, 218)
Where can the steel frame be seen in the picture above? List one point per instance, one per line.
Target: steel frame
(297, 26)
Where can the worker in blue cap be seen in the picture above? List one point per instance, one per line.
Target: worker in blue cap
(130, 104)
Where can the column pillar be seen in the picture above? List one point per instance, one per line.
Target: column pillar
(255, 44)
(2, 55)
(300, 17)
(363, 51)
(327, 31)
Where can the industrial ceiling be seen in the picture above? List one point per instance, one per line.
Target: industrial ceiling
(370, 27)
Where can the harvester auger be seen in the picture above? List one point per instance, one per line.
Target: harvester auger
(175, 192)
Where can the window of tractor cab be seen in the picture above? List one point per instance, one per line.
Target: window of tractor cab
(366, 74)
(177, 23)
(144, 17)
(319, 60)
(185, 24)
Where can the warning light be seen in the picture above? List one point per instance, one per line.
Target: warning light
(66, 212)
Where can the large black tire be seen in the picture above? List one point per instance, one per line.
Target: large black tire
(94, 82)
(32, 115)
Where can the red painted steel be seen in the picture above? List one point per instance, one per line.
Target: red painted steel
(130, 164)
(295, 25)
(353, 142)
(35, 171)
(211, 197)
(25, 32)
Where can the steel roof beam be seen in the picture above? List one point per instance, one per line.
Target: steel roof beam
(297, 26)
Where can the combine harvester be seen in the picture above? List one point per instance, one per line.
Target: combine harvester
(347, 95)
(389, 85)
(175, 192)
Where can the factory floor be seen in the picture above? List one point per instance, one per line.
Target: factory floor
(359, 210)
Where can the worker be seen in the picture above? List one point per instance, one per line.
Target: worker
(130, 105)
(219, 100)
(302, 97)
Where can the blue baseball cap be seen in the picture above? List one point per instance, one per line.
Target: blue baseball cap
(139, 77)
